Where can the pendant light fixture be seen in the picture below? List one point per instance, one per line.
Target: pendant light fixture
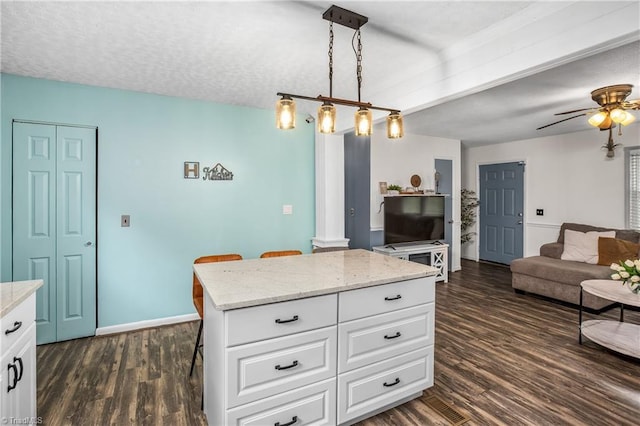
(285, 113)
(285, 107)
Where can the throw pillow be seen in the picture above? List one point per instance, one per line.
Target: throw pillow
(613, 250)
(583, 246)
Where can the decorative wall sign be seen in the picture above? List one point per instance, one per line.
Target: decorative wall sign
(217, 172)
(191, 170)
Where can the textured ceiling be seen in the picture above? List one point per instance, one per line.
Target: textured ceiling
(242, 53)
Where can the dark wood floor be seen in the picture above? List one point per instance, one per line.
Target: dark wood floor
(500, 358)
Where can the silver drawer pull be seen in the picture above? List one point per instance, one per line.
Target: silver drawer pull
(286, 367)
(294, 419)
(16, 327)
(388, 385)
(395, 336)
(393, 298)
(279, 321)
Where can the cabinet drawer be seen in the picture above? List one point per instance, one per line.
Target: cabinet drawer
(279, 319)
(18, 320)
(369, 388)
(373, 339)
(259, 370)
(380, 299)
(312, 405)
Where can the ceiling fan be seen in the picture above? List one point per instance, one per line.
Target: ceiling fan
(614, 109)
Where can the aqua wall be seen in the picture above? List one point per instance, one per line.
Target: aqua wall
(144, 271)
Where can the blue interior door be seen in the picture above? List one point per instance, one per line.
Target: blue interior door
(357, 190)
(501, 212)
(54, 225)
(445, 186)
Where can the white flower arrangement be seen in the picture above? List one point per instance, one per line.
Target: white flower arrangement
(628, 272)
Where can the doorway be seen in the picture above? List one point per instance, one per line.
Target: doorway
(501, 212)
(54, 225)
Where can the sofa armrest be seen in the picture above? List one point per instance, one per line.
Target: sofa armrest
(553, 250)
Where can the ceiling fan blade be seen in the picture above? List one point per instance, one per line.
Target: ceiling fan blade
(575, 110)
(632, 104)
(560, 121)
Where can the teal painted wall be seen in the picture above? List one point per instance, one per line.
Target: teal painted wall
(144, 272)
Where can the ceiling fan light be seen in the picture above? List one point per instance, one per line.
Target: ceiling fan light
(285, 113)
(630, 118)
(327, 118)
(607, 123)
(364, 122)
(395, 126)
(618, 115)
(597, 119)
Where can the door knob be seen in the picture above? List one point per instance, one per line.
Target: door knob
(352, 212)
(88, 244)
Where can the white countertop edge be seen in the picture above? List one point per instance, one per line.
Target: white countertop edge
(16, 292)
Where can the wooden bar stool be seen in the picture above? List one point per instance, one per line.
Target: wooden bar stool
(280, 253)
(198, 296)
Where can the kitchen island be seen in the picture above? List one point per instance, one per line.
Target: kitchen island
(328, 338)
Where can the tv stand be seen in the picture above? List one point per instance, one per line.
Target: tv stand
(429, 253)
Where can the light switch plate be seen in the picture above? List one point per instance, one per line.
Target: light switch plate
(287, 209)
(125, 221)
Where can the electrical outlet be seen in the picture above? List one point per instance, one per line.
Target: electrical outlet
(539, 212)
(125, 221)
(287, 209)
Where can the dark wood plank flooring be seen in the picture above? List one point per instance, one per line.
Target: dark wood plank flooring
(501, 359)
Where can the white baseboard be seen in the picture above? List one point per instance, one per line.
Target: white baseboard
(121, 328)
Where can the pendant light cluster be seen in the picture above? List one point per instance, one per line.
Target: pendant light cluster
(286, 107)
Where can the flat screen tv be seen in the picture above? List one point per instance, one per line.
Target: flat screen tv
(413, 218)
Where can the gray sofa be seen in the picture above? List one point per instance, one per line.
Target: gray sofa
(548, 275)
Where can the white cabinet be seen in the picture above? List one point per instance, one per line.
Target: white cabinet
(385, 346)
(331, 359)
(430, 254)
(266, 368)
(271, 364)
(18, 363)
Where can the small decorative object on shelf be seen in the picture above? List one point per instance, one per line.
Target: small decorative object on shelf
(383, 187)
(469, 203)
(629, 273)
(393, 189)
(416, 181)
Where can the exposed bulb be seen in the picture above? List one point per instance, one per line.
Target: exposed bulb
(327, 118)
(285, 113)
(395, 127)
(364, 122)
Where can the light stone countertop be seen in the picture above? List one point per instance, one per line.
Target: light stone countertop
(251, 282)
(14, 293)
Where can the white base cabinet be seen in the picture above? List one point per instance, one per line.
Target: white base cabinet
(324, 360)
(18, 362)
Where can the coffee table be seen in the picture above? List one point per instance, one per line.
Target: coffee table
(616, 335)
